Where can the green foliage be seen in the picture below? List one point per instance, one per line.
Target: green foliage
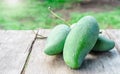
(33, 14)
(105, 19)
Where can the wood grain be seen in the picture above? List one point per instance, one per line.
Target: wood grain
(14, 46)
(94, 63)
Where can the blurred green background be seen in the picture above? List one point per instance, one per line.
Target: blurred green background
(34, 14)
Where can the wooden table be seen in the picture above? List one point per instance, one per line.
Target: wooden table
(21, 52)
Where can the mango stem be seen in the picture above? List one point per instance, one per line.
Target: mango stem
(53, 13)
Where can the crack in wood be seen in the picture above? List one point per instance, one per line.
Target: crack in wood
(29, 52)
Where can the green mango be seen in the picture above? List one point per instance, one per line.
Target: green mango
(56, 40)
(103, 44)
(80, 40)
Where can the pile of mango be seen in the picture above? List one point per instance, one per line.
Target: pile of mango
(77, 41)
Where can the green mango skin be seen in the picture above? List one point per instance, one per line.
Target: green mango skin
(56, 40)
(72, 26)
(80, 41)
(103, 44)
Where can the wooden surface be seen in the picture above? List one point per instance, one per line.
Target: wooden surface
(115, 35)
(14, 47)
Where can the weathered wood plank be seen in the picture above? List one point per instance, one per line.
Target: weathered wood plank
(94, 63)
(115, 35)
(14, 46)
